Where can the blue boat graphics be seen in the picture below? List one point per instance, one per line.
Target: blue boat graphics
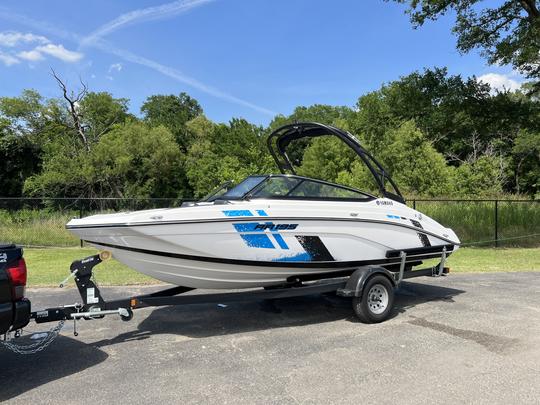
(267, 235)
(262, 238)
(237, 213)
(258, 241)
(244, 213)
(300, 257)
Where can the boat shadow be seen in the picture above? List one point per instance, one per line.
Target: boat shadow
(202, 321)
(65, 357)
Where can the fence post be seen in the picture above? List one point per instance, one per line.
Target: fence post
(81, 215)
(496, 223)
(414, 204)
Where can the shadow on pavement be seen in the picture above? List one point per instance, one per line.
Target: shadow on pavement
(201, 321)
(66, 356)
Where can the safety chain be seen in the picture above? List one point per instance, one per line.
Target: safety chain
(34, 347)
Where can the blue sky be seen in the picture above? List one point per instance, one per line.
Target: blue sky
(239, 58)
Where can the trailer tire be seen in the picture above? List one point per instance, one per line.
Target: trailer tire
(127, 318)
(376, 301)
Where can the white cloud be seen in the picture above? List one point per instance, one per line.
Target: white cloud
(143, 14)
(32, 56)
(500, 82)
(12, 38)
(58, 51)
(115, 66)
(8, 60)
(14, 43)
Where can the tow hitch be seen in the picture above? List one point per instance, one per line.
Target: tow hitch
(93, 305)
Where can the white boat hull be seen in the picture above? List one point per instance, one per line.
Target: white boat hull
(262, 243)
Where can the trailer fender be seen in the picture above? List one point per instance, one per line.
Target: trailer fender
(359, 278)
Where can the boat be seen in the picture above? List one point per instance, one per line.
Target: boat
(273, 229)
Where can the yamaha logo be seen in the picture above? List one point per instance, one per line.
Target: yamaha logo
(384, 202)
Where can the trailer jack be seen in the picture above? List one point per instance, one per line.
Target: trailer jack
(93, 305)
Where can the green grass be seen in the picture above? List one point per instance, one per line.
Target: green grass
(474, 221)
(31, 227)
(47, 267)
(474, 260)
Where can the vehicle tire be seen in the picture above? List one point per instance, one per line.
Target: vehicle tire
(376, 301)
(127, 318)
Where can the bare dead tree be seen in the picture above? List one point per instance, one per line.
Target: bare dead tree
(73, 99)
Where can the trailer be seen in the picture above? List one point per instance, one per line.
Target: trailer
(370, 287)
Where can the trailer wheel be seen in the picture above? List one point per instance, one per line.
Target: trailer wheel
(376, 301)
(129, 316)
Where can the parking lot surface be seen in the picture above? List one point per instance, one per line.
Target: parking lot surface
(466, 338)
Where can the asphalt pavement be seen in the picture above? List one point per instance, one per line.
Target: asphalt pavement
(465, 338)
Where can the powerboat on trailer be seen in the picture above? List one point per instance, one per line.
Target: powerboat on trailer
(271, 230)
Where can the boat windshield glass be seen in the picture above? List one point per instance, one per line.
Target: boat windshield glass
(218, 191)
(302, 188)
(244, 187)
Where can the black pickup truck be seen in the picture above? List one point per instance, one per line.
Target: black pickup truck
(14, 308)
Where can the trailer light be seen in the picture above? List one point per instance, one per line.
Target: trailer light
(17, 275)
(133, 303)
(446, 270)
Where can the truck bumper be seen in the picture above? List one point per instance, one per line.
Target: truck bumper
(6, 316)
(14, 315)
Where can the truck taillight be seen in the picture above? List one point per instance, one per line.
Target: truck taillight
(17, 275)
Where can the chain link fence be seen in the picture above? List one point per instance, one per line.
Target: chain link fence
(501, 223)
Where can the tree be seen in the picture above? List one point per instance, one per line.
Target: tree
(325, 158)
(507, 34)
(90, 115)
(526, 162)
(483, 177)
(173, 112)
(73, 100)
(324, 114)
(132, 160)
(99, 112)
(17, 162)
(414, 164)
(223, 152)
(462, 118)
(408, 156)
(26, 124)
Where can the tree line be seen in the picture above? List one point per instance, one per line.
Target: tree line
(437, 134)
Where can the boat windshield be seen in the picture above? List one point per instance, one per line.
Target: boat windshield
(292, 187)
(218, 192)
(243, 188)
